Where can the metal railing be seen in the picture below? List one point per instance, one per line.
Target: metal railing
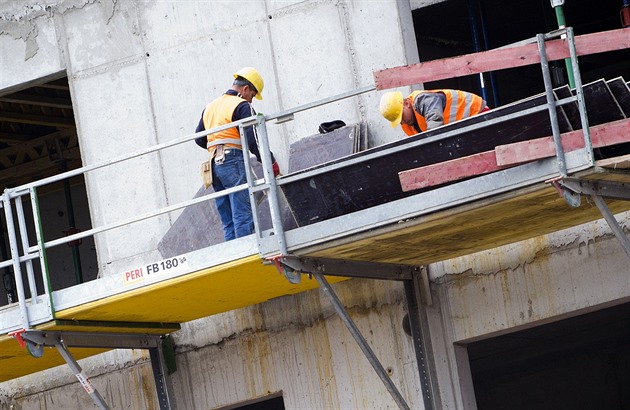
(12, 197)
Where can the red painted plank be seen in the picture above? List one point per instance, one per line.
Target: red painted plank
(601, 136)
(448, 171)
(505, 156)
(499, 59)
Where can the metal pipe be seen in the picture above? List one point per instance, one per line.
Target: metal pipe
(274, 203)
(93, 231)
(612, 222)
(486, 45)
(557, 6)
(248, 176)
(30, 274)
(8, 274)
(579, 93)
(365, 347)
(39, 233)
(562, 167)
(76, 257)
(80, 375)
(186, 138)
(17, 270)
(476, 46)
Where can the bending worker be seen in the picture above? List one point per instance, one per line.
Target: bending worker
(226, 155)
(424, 110)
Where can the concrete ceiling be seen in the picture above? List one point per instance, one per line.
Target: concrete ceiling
(37, 133)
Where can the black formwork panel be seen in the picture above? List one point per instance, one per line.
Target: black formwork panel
(621, 92)
(375, 181)
(601, 105)
(605, 101)
(570, 109)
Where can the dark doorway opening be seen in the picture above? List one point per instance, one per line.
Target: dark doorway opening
(274, 402)
(457, 27)
(38, 139)
(577, 363)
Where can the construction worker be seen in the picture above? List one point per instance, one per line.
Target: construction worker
(425, 110)
(226, 155)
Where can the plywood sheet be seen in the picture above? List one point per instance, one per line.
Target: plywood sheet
(218, 289)
(522, 214)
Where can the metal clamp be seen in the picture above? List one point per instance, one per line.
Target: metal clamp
(573, 199)
(290, 274)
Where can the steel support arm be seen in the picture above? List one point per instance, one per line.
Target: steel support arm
(36, 340)
(348, 268)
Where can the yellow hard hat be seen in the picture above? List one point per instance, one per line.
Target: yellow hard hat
(253, 76)
(391, 107)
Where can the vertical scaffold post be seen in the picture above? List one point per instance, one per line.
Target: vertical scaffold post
(43, 261)
(579, 93)
(160, 378)
(30, 274)
(420, 340)
(15, 256)
(274, 203)
(551, 104)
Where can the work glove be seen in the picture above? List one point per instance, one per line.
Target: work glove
(276, 169)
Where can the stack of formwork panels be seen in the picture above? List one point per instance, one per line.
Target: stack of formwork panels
(366, 180)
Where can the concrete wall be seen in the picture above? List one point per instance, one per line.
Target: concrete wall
(296, 345)
(141, 73)
(519, 286)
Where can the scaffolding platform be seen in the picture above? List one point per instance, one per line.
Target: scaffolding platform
(514, 173)
(155, 306)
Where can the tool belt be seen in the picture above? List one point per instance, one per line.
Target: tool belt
(216, 151)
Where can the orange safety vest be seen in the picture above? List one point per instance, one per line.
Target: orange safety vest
(459, 105)
(219, 112)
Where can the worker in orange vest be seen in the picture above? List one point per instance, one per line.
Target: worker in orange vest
(424, 110)
(226, 155)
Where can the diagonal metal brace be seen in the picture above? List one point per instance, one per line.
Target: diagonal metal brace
(597, 190)
(363, 344)
(36, 340)
(348, 268)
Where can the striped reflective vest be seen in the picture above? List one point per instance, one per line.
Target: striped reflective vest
(459, 105)
(220, 112)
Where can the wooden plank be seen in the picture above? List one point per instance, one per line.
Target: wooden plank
(601, 136)
(622, 162)
(449, 171)
(508, 155)
(499, 59)
(473, 227)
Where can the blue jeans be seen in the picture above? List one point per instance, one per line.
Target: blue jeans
(234, 209)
